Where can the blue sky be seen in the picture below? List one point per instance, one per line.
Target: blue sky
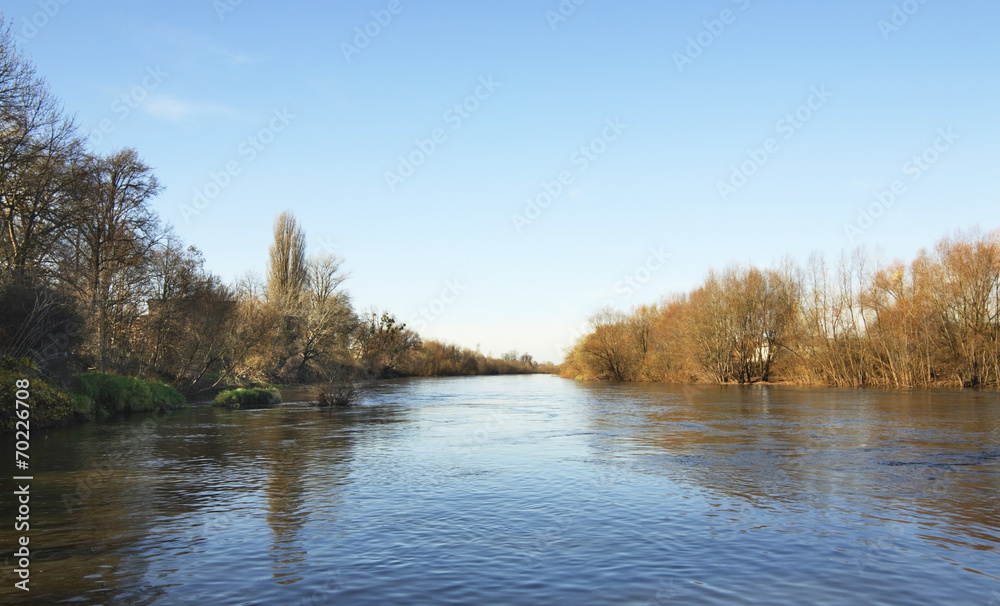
(697, 90)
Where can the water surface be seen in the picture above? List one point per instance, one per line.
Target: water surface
(527, 490)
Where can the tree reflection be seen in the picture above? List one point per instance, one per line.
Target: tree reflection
(150, 500)
(892, 454)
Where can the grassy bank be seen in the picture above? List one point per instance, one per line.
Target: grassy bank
(93, 395)
(48, 405)
(113, 394)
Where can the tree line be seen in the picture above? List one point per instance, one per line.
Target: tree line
(92, 278)
(859, 323)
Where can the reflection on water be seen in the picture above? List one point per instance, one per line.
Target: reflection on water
(889, 454)
(527, 490)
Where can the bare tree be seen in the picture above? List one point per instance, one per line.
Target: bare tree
(108, 248)
(326, 319)
(185, 334)
(610, 351)
(711, 333)
(381, 344)
(38, 150)
(966, 270)
(288, 272)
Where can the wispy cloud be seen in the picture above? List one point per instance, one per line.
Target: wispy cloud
(193, 46)
(178, 110)
(233, 58)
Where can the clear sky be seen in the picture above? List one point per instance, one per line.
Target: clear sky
(287, 107)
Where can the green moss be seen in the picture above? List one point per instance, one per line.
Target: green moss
(48, 404)
(112, 394)
(255, 397)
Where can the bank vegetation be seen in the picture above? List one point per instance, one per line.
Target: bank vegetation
(934, 321)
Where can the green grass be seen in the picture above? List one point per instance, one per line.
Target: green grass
(112, 394)
(94, 394)
(48, 404)
(255, 397)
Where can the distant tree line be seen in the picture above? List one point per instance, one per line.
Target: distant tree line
(932, 322)
(436, 359)
(91, 278)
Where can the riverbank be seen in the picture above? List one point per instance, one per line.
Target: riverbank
(954, 384)
(85, 396)
(90, 395)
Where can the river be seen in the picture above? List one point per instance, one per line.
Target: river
(525, 490)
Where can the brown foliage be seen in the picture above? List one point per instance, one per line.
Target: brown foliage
(932, 322)
(435, 359)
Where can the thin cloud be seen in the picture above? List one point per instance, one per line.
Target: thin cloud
(233, 58)
(194, 46)
(177, 110)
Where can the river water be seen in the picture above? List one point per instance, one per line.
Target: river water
(525, 490)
